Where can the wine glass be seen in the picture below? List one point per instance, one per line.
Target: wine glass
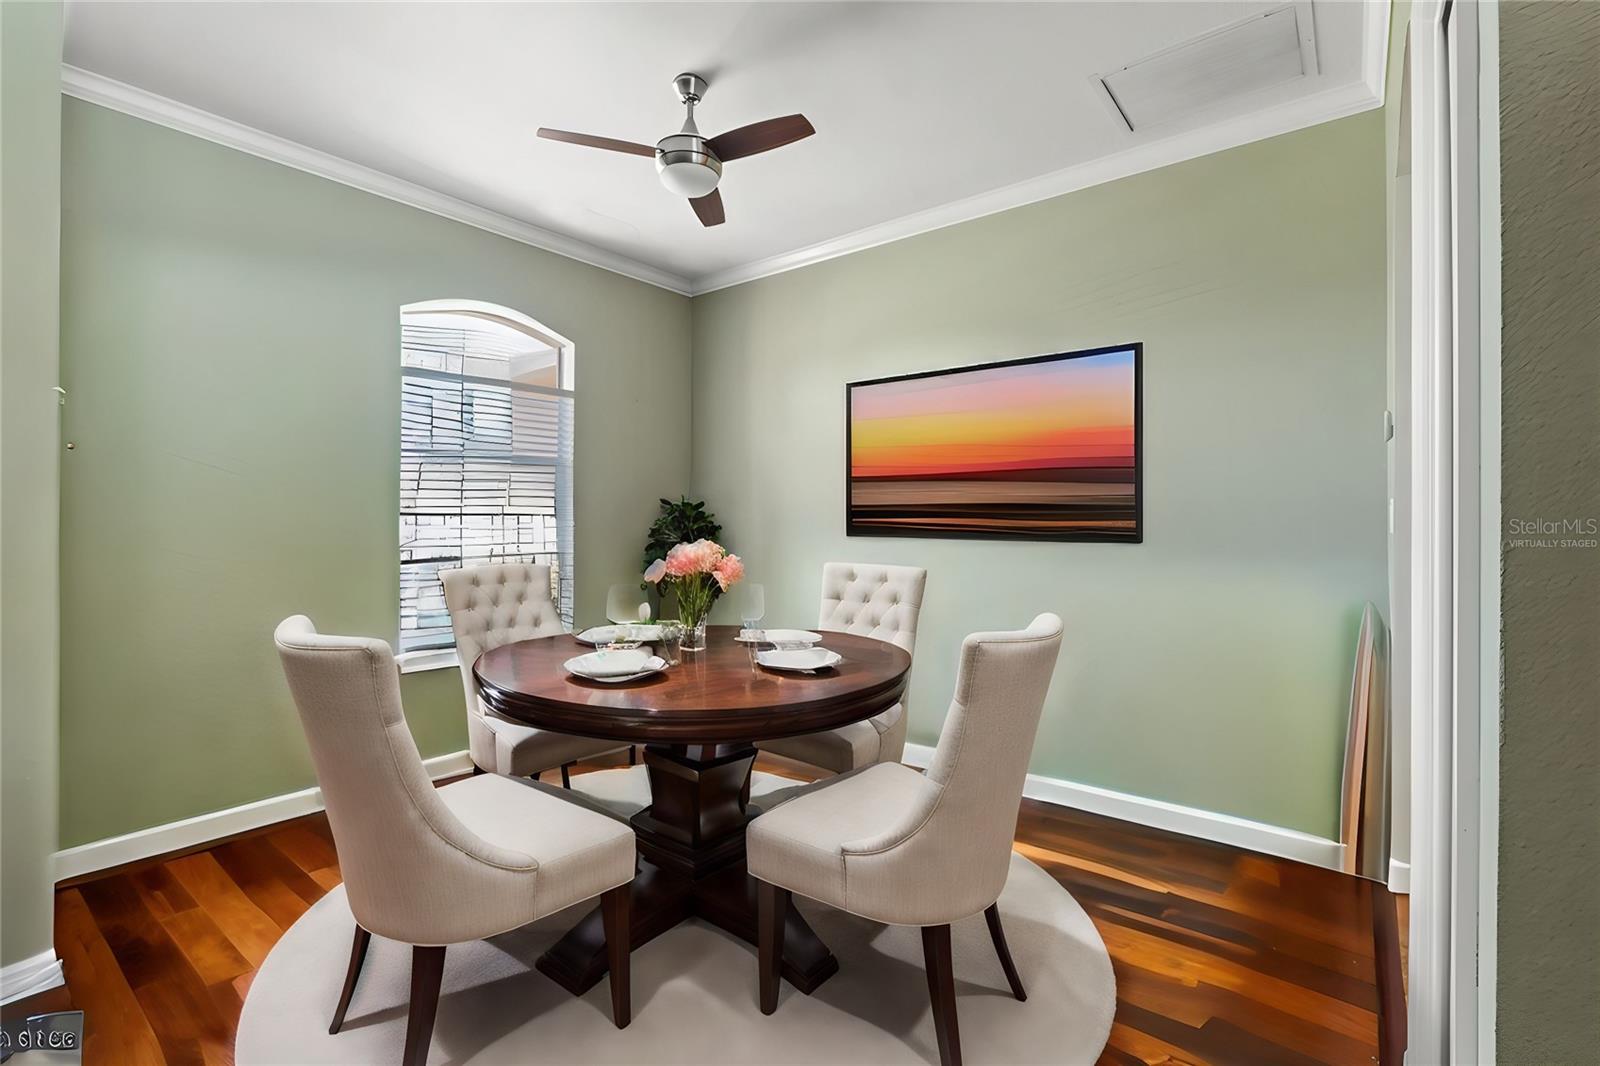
(627, 602)
(752, 607)
(671, 640)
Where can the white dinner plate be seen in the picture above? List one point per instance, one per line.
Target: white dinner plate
(598, 635)
(613, 667)
(801, 660)
(777, 636)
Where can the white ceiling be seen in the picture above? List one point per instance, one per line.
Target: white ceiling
(916, 105)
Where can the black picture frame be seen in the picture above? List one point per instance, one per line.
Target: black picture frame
(853, 529)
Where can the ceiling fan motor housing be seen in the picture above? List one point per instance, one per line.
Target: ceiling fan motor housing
(685, 164)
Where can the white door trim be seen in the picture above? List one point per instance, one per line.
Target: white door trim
(1428, 1005)
(1488, 873)
(1455, 468)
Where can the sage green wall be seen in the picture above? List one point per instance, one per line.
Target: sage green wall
(1209, 666)
(231, 344)
(1548, 1009)
(30, 201)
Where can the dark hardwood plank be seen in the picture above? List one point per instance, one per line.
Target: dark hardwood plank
(280, 889)
(211, 953)
(172, 995)
(306, 848)
(115, 1028)
(163, 893)
(241, 921)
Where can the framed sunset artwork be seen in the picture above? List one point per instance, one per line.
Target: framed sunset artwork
(1044, 448)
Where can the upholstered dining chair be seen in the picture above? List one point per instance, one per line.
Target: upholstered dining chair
(432, 867)
(906, 848)
(883, 602)
(500, 604)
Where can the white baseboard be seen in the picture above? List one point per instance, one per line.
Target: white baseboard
(1190, 821)
(1399, 877)
(1173, 817)
(30, 976)
(160, 839)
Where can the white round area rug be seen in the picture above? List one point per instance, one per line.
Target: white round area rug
(694, 990)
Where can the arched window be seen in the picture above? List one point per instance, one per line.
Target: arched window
(486, 415)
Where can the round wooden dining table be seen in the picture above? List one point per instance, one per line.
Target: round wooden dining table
(698, 721)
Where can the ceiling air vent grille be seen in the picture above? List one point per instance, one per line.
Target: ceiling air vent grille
(1262, 51)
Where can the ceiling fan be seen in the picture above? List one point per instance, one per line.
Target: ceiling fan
(691, 165)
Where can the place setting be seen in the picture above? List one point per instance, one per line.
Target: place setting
(615, 666)
(792, 650)
(623, 648)
(795, 651)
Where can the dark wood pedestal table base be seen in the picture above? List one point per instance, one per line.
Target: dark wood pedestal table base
(699, 721)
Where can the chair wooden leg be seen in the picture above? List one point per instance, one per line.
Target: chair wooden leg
(998, 935)
(942, 991)
(566, 774)
(772, 912)
(633, 755)
(427, 971)
(614, 907)
(358, 955)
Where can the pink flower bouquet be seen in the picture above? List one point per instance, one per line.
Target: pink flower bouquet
(690, 571)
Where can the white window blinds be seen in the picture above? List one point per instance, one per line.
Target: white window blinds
(486, 429)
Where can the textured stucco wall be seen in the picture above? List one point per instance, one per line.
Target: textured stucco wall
(1549, 908)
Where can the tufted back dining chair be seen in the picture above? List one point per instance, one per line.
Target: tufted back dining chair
(432, 866)
(926, 849)
(869, 600)
(500, 604)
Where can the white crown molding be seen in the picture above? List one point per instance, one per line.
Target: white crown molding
(118, 96)
(1375, 28)
(1173, 817)
(203, 828)
(1325, 106)
(30, 976)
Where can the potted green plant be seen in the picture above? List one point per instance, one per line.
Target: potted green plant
(681, 522)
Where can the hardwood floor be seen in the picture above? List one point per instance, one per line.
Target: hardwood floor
(1222, 956)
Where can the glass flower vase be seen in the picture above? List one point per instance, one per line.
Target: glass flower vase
(694, 635)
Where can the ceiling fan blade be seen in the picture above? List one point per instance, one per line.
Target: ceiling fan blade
(760, 137)
(709, 208)
(610, 144)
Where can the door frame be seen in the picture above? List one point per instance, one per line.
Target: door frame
(1454, 508)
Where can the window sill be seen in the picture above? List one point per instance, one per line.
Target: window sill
(415, 662)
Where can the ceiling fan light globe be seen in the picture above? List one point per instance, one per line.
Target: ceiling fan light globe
(692, 180)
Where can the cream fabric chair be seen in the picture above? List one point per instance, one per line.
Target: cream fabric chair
(894, 845)
(432, 867)
(882, 602)
(494, 605)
